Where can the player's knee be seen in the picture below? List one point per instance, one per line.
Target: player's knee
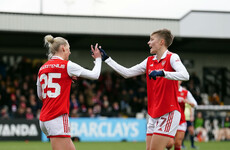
(170, 144)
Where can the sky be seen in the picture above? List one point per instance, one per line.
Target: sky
(172, 9)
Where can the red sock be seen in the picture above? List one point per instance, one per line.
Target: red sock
(177, 148)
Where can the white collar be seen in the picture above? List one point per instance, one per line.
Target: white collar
(56, 57)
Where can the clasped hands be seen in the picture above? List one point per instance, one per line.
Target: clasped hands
(152, 75)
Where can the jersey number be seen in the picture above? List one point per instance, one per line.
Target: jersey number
(48, 83)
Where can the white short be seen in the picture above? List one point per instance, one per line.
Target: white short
(182, 127)
(165, 125)
(58, 127)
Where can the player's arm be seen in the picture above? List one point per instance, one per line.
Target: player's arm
(180, 73)
(127, 72)
(76, 70)
(39, 89)
(191, 100)
(123, 71)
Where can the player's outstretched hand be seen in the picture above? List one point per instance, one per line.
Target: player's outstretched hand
(103, 54)
(155, 74)
(95, 51)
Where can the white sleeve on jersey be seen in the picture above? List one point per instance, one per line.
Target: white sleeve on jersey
(39, 89)
(74, 69)
(191, 99)
(127, 72)
(180, 71)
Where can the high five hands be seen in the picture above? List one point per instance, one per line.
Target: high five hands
(95, 52)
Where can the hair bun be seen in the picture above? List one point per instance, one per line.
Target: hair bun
(49, 39)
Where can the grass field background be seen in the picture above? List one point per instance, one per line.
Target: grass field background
(29, 145)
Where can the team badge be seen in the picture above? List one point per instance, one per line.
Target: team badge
(163, 63)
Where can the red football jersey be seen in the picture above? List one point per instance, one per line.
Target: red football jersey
(162, 92)
(181, 97)
(55, 83)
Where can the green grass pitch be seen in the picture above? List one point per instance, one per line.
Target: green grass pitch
(30, 145)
